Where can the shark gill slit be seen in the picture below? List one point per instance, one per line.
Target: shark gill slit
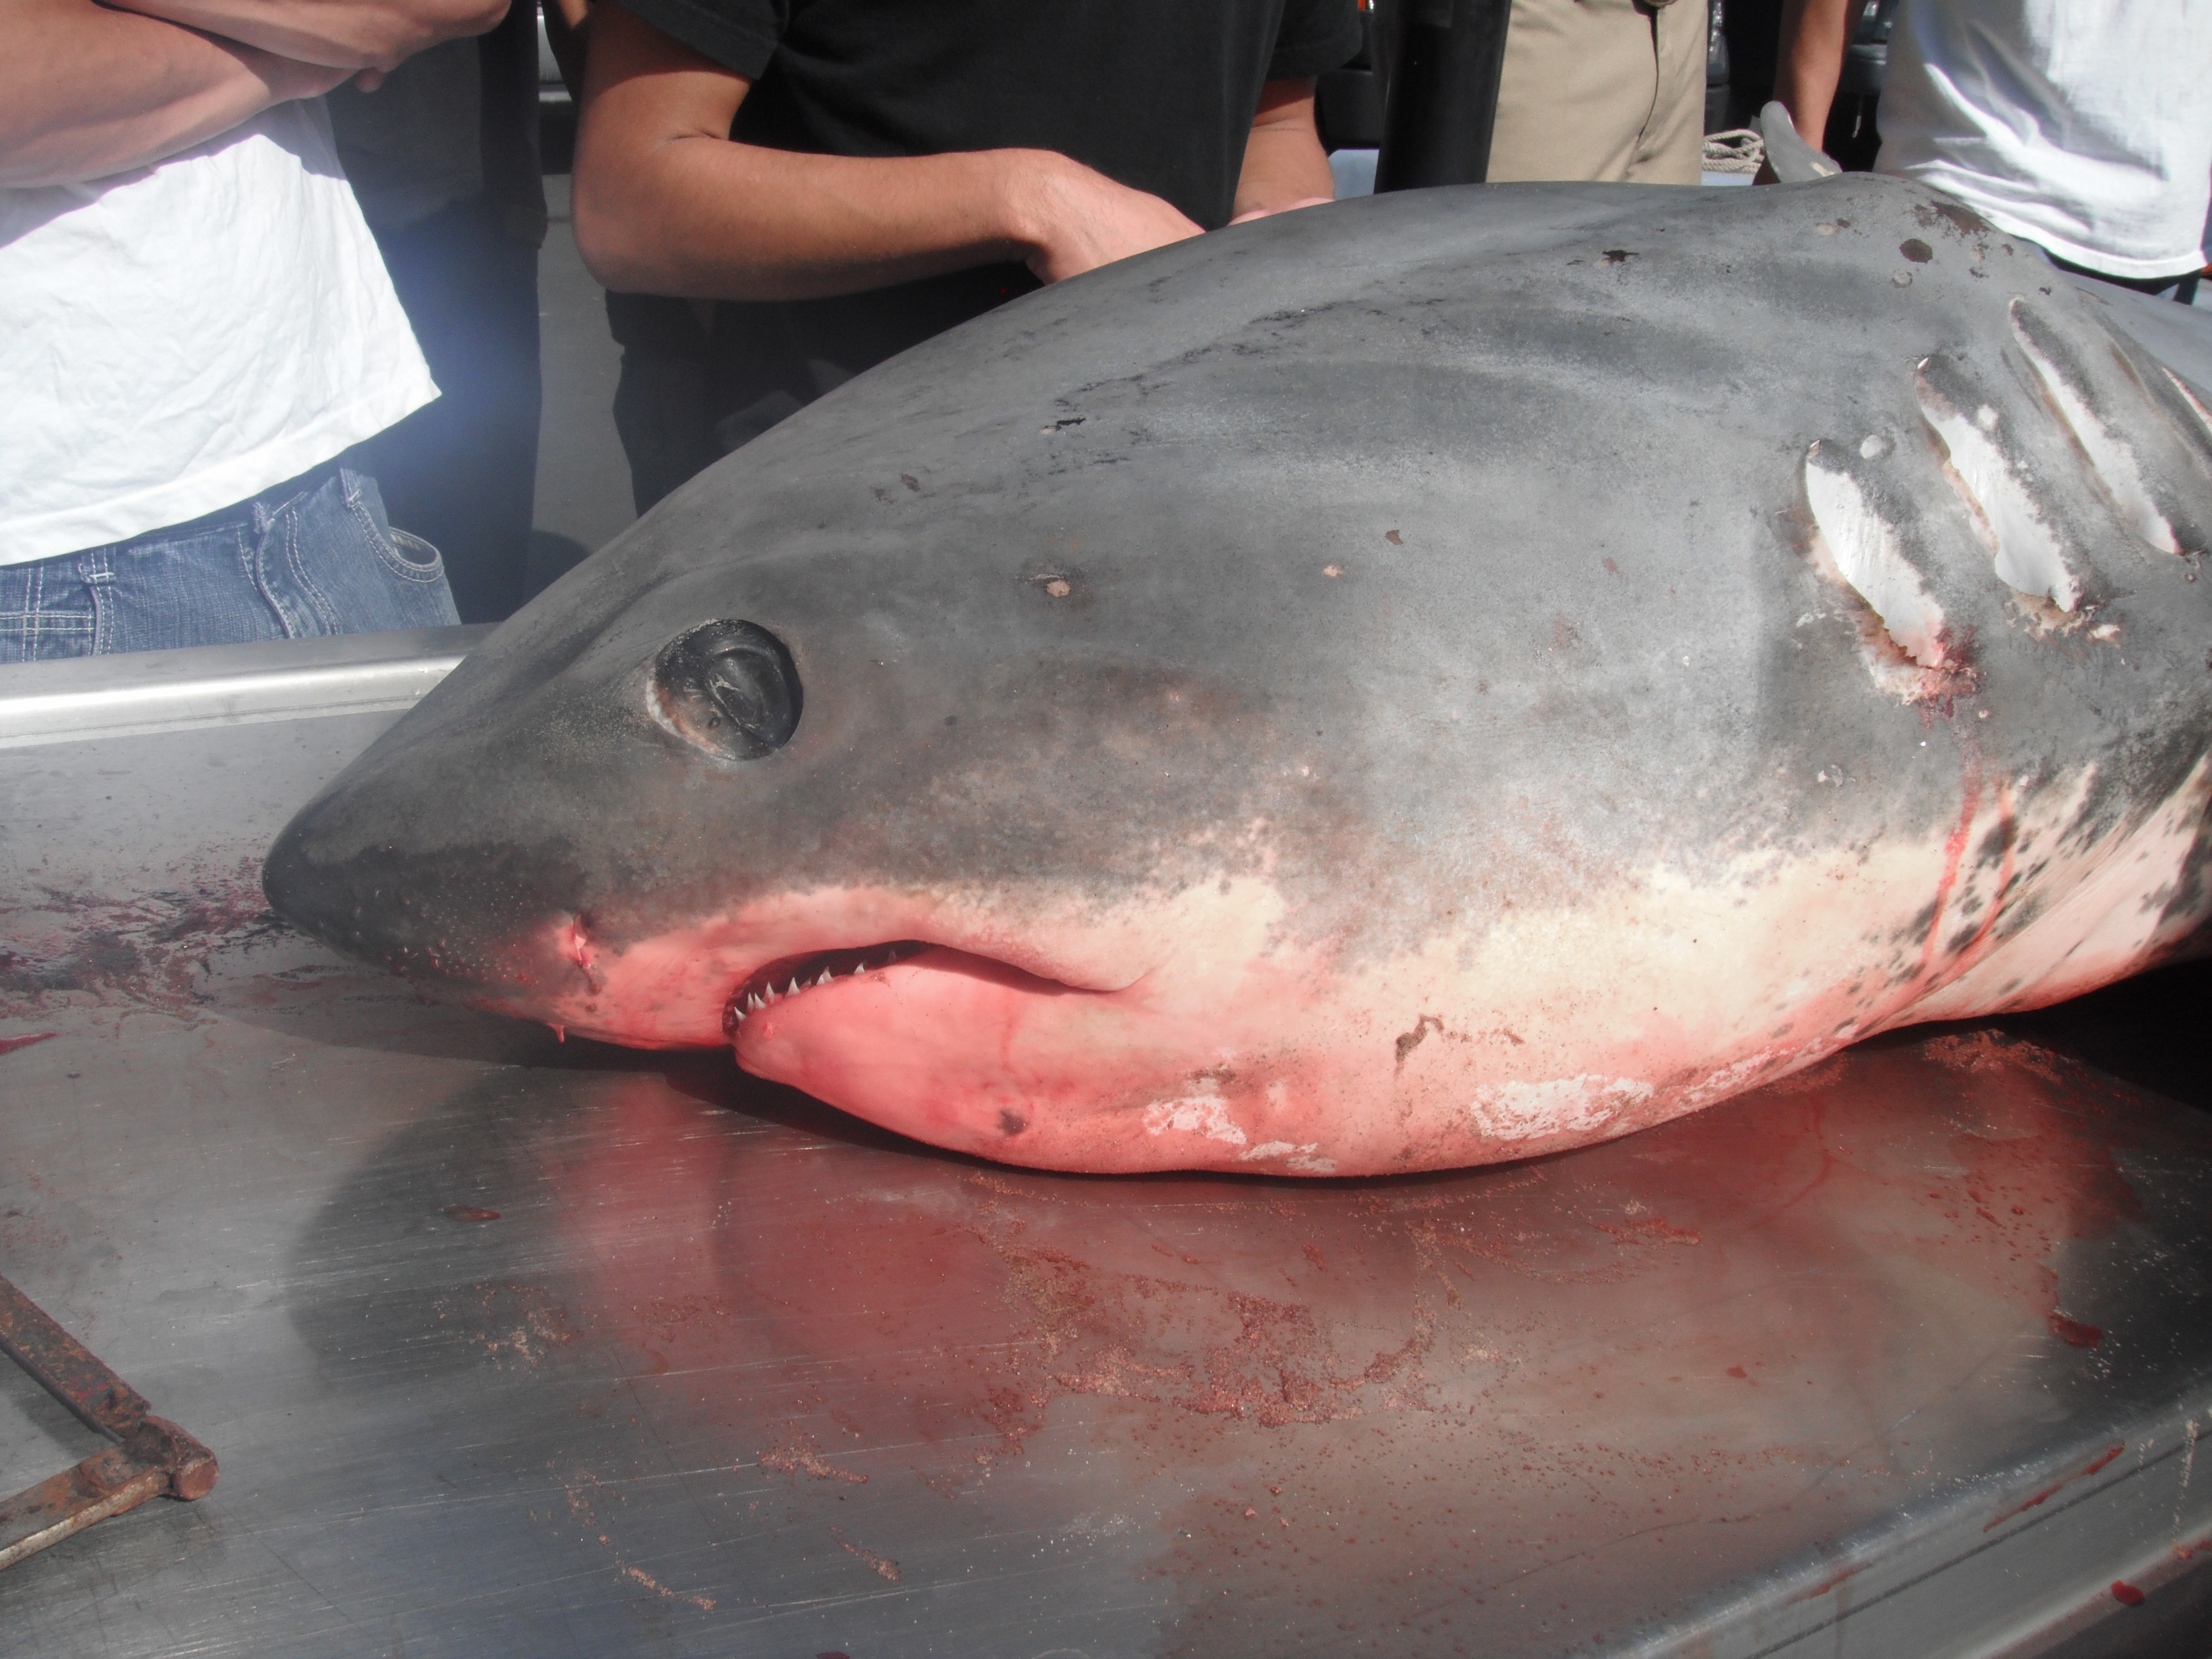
(2024, 550)
(2196, 403)
(1864, 549)
(2111, 463)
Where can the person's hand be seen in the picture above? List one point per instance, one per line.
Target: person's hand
(1250, 213)
(1074, 219)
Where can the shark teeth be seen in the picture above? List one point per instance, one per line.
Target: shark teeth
(761, 990)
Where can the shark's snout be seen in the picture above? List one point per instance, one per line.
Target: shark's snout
(472, 925)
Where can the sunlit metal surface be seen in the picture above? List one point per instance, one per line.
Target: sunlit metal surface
(182, 691)
(511, 1346)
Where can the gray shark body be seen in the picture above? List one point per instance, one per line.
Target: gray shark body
(1428, 680)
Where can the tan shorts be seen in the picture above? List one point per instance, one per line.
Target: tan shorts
(1601, 90)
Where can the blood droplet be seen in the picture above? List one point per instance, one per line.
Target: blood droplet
(469, 1212)
(2126, 1593)
(2074, 1332)
(1738, 1371)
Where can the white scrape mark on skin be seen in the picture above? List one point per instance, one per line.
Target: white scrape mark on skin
(2109, 459)
(1867, 555)
(1735, 1077)
(1205, 1113)
(1300, 1159)
(2027, 555)
(1522, 1111)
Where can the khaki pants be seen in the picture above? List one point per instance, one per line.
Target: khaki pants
(1611, 90)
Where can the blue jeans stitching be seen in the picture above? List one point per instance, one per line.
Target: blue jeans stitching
(388, 551)
(96, 570)
(288, 527)
(401, 566)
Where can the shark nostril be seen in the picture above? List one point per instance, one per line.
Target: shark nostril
(729, 687)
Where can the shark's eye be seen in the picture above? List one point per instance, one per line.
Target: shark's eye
(729, 687)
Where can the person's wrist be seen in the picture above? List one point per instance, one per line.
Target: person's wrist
(1029, 183)
(288, 78)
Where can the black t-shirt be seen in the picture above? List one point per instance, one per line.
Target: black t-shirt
(1158, 95)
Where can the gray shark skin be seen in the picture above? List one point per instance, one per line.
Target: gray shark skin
(1427, 680)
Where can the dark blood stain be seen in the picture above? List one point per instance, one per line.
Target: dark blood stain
(1011, 1124)
(1916, 249)
(1313, 1254)
(1619, 256)
(8, 1045)
(1964, 220)
(1409, 1041)
(1738, 1372)
(468, 1212)
(2074, 1332)
(908, 479)
(153, 948)
(1393, 539)
(2126, 1593)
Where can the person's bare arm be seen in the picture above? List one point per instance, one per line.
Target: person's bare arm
(86, 91)
(1285, 165)
(1810, 62)
(374, 34)
(667, 203)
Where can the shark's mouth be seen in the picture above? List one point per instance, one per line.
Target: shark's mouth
(789, 975)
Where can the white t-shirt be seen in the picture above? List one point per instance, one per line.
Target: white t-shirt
(179, 338)
(2085, 126)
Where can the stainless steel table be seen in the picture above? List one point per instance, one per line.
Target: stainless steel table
(511, 1346)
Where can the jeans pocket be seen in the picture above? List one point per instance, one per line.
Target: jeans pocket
(408, 556)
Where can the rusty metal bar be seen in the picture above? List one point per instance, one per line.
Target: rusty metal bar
(151, 1456)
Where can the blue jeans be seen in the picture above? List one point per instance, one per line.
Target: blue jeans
(312, 556)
